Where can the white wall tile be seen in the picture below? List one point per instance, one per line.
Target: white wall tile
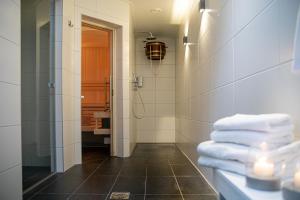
(165, 84)
(146, 123)
(166, 71)
(69, 156)
(10, 21)
(10, 104)
(165, 96)
(78, 155)
(146, 137)
(287, 22)
(221, 103)
(147, 96)
(148, 112)
(148, 83)
(11, 184)
(10, 137)
(165, 123)
(245, 11)
(241, 65)
(165, 110)
(224, 24)
(222, 68)
(158, 94)
(9, 62)
(274, 91)
(10, 117)
(114, 6)
(68, 130)
(144, 70)
(89, 4)
(165, 136)
(259, 37)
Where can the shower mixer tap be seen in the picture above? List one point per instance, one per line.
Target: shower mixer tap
(137, 81)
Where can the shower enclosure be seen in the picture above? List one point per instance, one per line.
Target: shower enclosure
(37, 91)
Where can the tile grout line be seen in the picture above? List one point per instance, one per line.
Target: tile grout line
(85, 180)
(201, 174)
(114, 183)
(176, 180)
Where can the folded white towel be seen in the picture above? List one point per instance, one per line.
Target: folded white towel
(241, 153)
(239, 168)
(227, 165)
(252, 138)
(264, 122)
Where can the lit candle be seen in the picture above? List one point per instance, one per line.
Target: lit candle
(264, 168)
(297, 179)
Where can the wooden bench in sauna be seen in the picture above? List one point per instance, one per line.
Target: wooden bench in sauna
(99, 116)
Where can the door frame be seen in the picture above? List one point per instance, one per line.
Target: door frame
(113, 79)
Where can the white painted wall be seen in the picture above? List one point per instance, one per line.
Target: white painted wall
(242, 64)
(158, 94)
(10, 106)
(117, 13)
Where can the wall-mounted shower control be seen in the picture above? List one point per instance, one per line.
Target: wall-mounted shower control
(137, 81)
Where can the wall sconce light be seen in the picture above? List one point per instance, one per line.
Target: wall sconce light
(201, 5)
(185, 40)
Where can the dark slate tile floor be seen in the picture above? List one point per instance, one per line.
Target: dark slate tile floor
(32, 175)
(153, 172)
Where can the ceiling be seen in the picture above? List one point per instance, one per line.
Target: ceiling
(159, 23)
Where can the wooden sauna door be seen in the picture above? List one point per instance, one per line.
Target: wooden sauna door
(95, 74)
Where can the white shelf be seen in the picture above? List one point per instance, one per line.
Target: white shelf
(233, 187)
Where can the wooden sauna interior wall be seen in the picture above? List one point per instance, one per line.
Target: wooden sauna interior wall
(95, 74)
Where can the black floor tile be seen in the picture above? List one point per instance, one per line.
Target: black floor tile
(96, 185)
(94, 155)
(134, 185)
(65, 184)
(159, 170)
(185, 170)
(178, 159)
(134, 171)
(81, 171)
(133, 161)
(163, 197)
(193, 185)
(113, 162)
(32, 174)
(161, 185)
(37, 189)
(107, 170)
(149, 166)
(138, 197)
(51, 197)
(88, 197)
(200, 197)
(163, 161)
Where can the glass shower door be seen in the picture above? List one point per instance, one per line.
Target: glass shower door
(36, 92)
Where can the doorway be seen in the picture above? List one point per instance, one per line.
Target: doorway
(96, 91)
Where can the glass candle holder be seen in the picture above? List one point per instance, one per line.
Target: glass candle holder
(263, 171)
(291, 183)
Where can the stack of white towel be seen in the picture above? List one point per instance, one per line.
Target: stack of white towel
(233, 137)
